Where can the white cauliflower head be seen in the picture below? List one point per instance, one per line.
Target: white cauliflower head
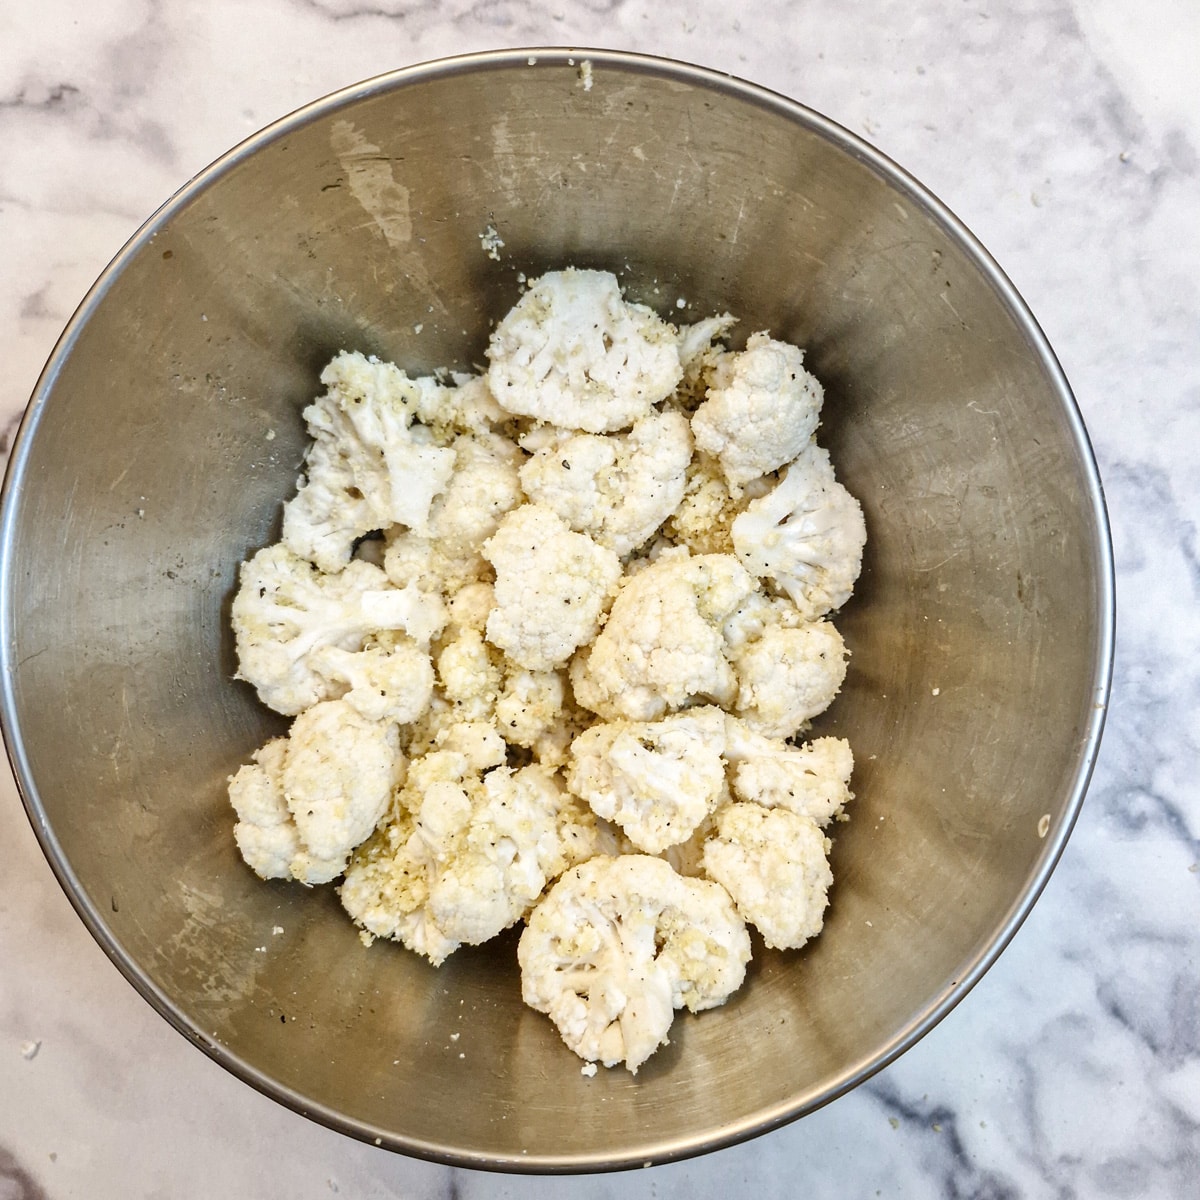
(788, 676)
(775, 866)
(436, 568)
(467, 407)
(266, 835)
(755, 615)
(656, 780)
(286, 609)
(618, 488)
(390, 679)
(618, 944)
(339, 775)
(812, 780)
(531, 705)
(572, 352)
(662, 646)
(484, 486)
(479, 743)
(806, 536)
(526, 832)
(537, 711)
(306, 801)
(369, 466)
(468, 854)
(762, 409)
(470, 672)
(552, 586)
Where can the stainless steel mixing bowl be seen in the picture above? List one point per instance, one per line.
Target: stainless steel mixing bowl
(165, 432)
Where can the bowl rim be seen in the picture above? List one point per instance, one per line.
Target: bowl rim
(761, 1121)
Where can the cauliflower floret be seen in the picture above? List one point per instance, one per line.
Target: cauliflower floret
(468, 407)
(574, 353)
(390, 679)
(762, 409)
(369, 467)
(754, 616)
(468, 854)
(774, 864)
(307, 800)
(656, 780)
(806, 536)
(339, 775)
(687, 858)
(429, 566)
(787, 676)
(387, 884)
(330, 512)
(483, 487)
(470, 672)
(662, 646)
(285, 610)
(478, 742)
(468, 608)
(552, 585)
(619, 488)
(426, 733)
(812, 780)
(386, 890)
(531, 705)
(618, 944)
(265, 833)
(537, 711)
(525, 834)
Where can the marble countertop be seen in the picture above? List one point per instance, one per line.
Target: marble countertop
(1066, 134)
